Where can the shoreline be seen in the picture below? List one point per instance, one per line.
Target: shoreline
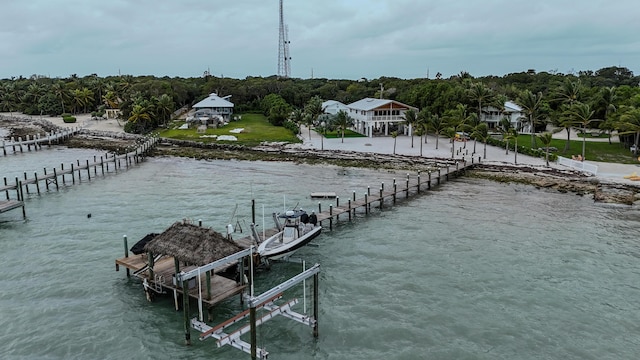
(102, 136)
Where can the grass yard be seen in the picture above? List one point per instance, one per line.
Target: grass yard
(255, 130)
(594, 151)
(336, 134)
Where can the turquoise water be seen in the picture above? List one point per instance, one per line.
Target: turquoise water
(472, 270)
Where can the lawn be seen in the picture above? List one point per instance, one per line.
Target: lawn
(255, 130)
(595, 151)
(338, 134)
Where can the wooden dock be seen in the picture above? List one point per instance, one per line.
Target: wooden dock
(60, 177)
(36, 141)
(12, 204)
(391, 193)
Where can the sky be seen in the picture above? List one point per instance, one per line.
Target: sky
(335, 39)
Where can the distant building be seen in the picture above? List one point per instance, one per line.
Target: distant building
(379, 116)
(332, 107)
(216, 105)
(492, 116)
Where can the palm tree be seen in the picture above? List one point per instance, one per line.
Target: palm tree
(608, 99)
(59, 91)
(569, 92)
(530, 103)
(343, 121)
(411, 119)
(164, 108)
(314, 109)
(437, 125)
(78, 99)
(482, 132)
(450, 132)
(394, 135)
(139, 114)
(583, 116)
(629, 123)
(423, 122)
(87, 97)
(513, 134)
(505, 128)
(420, 130)
(546, 138)
(481, 95)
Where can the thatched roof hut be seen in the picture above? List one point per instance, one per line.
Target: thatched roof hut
(192, 244)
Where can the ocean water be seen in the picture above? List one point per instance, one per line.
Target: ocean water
(470, 270)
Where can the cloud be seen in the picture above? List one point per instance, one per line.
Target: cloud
(337, 38)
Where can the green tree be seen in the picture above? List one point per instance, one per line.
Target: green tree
(343, 121)
(411, 119)
(505, 128)
(481, 96)
(482, 132)
(164, 108)
(608, 100)
(437, 125)
(530, 104)
(545, 139)
(314, 109)
(583, 116)
(629, 123)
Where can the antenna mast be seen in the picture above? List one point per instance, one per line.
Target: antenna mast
(284, 69)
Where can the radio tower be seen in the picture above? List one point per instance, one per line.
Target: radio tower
(284, 68)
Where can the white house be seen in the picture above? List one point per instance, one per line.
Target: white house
(376, 116)
(332, 107)
(218, 105)
(512, 111)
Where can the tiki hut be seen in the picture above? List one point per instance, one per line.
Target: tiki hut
(192, 244)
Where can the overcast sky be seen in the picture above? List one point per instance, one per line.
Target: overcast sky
(346, 39)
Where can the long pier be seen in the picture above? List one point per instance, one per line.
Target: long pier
(36, 141)
(416, 185)
(51, 179)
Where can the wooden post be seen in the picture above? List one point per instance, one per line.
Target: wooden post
(102, 164)
(208, 277)
(418, 182)
(25, 183)
(381, 198)
(447, 174)
(366, 204)
(185, 308)
(18, 189)
(73, 175)
(354, 196)
(253, 211)
(88, 170)
(46, 180)
(349, 209)
(176, 268)
(395, 189)
(6, 192)
(330, 217)
(319, 208)
(439, 175)
(407, 186)
(21, 191)
(337, 201)
(368, 190)
(35, 175)
(95, 165)
(126, 251)
(316, 280)
(55, 176)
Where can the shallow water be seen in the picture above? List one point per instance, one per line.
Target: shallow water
(472, 270)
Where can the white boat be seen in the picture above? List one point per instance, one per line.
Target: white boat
(298, 230)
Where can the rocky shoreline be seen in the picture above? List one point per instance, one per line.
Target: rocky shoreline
(540, 177)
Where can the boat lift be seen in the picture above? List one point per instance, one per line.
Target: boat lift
(265, 301)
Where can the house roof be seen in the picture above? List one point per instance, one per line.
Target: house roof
(192, 244)
(512, 107)
(333, 103)
(367, 104)
(214, 101)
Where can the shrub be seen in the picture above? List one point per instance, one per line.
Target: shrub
(69, 119)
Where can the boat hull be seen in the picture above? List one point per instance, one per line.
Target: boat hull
(287, 249)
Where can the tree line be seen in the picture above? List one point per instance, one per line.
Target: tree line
(607, 99)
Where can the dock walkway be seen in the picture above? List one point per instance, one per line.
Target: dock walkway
(36, 141)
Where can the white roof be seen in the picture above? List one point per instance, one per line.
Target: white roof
(367, 104)
(512, 107)
(333, 103)
(214, 101)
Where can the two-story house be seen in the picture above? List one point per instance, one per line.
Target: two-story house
(378, 116)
